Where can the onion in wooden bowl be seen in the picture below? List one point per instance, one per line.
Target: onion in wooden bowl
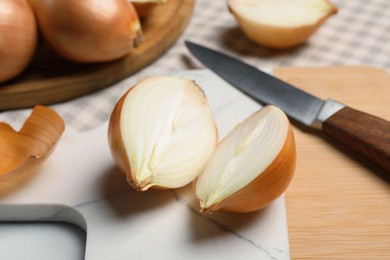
(89, 30)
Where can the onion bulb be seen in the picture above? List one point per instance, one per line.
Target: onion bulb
(18, 37)
(279, 23)
(144, 7)
(89, 30)
(162, 132)
(252, 166)
(22, 152)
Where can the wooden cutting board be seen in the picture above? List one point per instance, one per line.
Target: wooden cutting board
(51, 79)
(338, 206)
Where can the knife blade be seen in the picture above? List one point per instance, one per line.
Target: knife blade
(366, 134)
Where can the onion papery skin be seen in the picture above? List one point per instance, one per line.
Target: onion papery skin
(21, 152)
(18, 37)
(89, 31)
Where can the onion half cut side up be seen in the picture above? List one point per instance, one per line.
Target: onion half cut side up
(280, 24)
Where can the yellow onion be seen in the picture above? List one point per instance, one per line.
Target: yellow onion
(279, 23)
(18, 37)
(89, 30)
(251, 167)
(162, 132)
(22, 152)
(144, 7)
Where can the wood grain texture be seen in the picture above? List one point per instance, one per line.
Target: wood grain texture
(51, 79)
(366, 134)
(337, 206)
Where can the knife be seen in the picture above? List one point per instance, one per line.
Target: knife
(366, 134)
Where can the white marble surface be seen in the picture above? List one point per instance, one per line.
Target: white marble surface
(81, 184)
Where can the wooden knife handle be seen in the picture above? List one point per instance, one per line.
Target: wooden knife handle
(366, 134)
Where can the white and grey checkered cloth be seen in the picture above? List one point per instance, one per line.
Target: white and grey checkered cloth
(359, 34)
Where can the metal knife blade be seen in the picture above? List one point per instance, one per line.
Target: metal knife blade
(366, 134)
(263, 87)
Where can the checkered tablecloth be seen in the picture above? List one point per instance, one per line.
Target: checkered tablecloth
(359, 34)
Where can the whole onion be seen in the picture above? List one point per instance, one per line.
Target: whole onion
(89, 30)
(18, 37)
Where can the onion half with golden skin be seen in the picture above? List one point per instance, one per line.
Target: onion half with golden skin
(162, 132)
(251, 167)
(280, 24)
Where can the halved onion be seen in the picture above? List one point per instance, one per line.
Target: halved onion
(162, 132)
(279, 23)
(251, 167)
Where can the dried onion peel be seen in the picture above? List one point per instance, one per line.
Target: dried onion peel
(251, 167)
(162, 132)
(22, 152)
